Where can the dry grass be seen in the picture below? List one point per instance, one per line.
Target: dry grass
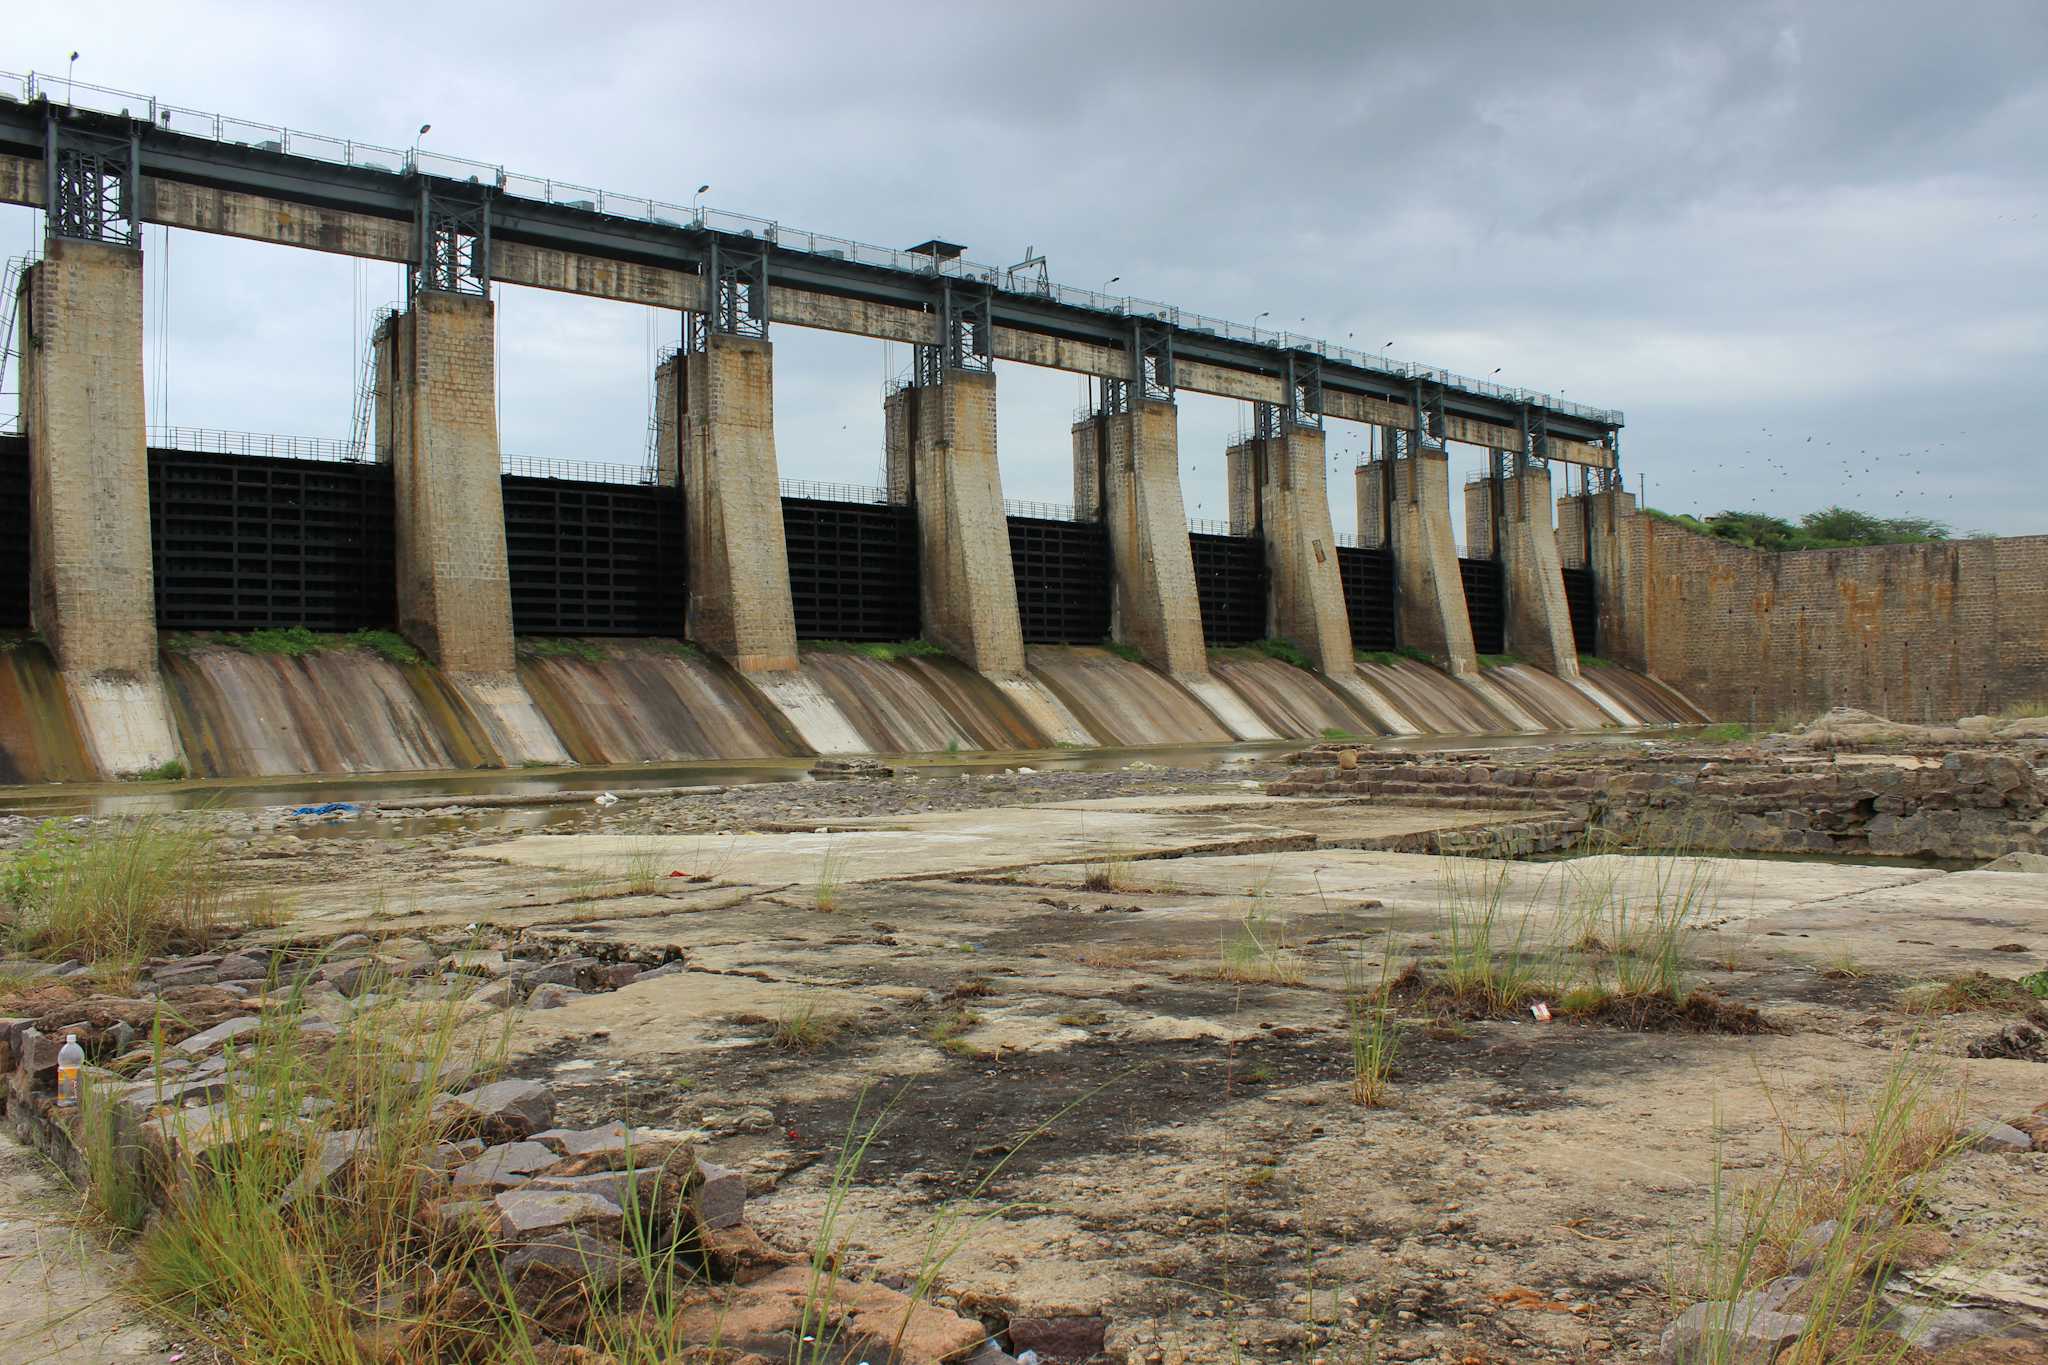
(1258, 950)
(1966, 994)
(803, 1027)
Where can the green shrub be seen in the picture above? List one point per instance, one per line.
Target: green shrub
(293, 642)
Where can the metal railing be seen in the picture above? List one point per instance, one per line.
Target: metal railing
(210, 441)
(818, 491)
(368, 156)
(1202, 526)
(581, 471)
(1044, 511)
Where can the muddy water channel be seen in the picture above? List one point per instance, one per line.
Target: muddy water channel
(1107, 1011)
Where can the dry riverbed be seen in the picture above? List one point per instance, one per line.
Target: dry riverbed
(1105, 1023)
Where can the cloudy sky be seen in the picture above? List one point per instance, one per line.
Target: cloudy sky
(1801, 245)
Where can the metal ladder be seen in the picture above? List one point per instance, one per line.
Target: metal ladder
(366, 388)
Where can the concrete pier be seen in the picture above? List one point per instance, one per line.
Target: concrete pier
(1155, 609)
(93, 587)
(739, 563)
(967, 592)
(1433, 616)
(1616, 533)
(1278, 491)
(439, 415)
(668, 421)
(1538, 619)
(1242, 477)
(454, 592)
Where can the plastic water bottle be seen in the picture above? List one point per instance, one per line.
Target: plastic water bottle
(69, 1059)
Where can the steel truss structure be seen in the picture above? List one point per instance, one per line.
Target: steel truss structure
(454, 242)
(92, 184)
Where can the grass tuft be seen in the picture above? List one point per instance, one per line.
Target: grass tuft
(1869, 1182)
(802, 1027)
(170, 770)
(1374, 1031)
(1969, 993)
(118, 895)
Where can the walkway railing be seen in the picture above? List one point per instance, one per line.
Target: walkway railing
(832, 492)
(582, 471)
(208, 440)
(367, 156)
(1044, 511)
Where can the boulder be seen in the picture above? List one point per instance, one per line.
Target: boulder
(528, 1213)
(551, 997)
(1718, 1332)
(767, 1317)
(199, 1044)
(719, 1197)
(502, 1167)
(503, 1111)
(1999, 1137)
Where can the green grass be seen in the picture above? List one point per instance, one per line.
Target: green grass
(1593, 661)
(1128, 653)
(2023, 710)
(1337, 733)
(1286, 651)
(1499, 660)
(1258, 950)
(170, 770)
(386, 644)
(831, 883)
(115, 895)
(947, 1030)
(1372, 1028)
(251, 1258)
(1387, 658)
(1727, 732)
(803, 1027)
(558, 647)
(293, 642)
(1871, 1176)
(887, 651)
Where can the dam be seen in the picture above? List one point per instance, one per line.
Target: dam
(444, 608)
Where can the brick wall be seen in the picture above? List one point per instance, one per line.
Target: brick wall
(1914, 632)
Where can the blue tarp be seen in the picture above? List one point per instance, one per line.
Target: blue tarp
(329, 808)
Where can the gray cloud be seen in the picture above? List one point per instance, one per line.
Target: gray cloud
(1745, 224)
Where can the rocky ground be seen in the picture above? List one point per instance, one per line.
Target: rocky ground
(1101, 1018)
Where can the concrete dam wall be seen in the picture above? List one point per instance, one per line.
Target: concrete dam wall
(1925, 632)
(347, 710)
